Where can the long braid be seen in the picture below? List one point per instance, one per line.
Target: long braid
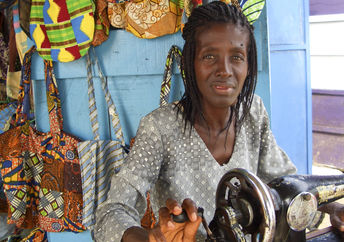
(215, 12)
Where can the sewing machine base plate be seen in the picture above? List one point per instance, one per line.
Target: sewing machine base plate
(327, 234)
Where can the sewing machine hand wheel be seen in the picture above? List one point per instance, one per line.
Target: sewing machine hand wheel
(244, 205)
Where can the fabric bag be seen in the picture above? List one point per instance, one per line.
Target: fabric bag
(7, 110)
(102, 23)
(99, 159)
(250, 8)
(41, 171)
(23, 44)
(62, 29)
(146, 19)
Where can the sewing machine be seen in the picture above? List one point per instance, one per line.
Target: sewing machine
(278, 211)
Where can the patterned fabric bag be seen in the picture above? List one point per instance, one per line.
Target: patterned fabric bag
(146, 19)
(62, 29)
(99, 159)
(3, 57)
(41, 171)
(102, 23)
(23, 44)
(250, 8)
(6, 113)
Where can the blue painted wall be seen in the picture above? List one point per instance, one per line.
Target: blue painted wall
(134, 68)
(290, 82)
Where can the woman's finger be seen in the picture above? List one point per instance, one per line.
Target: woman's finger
(173, 206)
(191, 210)
(165, 220)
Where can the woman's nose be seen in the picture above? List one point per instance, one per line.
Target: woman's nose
(224, 68)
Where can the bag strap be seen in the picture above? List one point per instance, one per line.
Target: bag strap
(113, 115)
(91, 99)
(53, 101)
(23, 110)
(166, 83)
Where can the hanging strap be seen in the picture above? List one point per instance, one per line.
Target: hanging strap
(23, 110)
(53, 101)
(166, 83)
(92, 104)
(91, 100)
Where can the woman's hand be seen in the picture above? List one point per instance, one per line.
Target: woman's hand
(169, 231)
(336, 213)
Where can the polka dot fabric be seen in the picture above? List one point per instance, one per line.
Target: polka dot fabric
(170, 163)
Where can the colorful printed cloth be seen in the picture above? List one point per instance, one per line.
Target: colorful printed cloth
(41, 171)
(62, 29)
(250, 8)
(3, 57)
(176, 54)
(101, 32)
(146, 19)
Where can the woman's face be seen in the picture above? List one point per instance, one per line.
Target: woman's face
(221, 63)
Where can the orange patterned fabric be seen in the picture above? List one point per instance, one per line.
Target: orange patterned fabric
(146, 19)
(102, 23)
(41, 171)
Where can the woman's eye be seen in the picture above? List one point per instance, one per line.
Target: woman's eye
(208, 57)
(238, 58)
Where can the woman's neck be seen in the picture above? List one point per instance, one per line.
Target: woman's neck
(215, 120)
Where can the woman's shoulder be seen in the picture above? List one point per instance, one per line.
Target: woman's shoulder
(257, 107)
(257, 114)
(163, 111)
(164, 116)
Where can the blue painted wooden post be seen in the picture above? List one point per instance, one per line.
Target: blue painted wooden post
(291, 118)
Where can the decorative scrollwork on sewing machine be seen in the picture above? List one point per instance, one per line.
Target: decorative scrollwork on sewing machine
(278, 211)
(249, 210)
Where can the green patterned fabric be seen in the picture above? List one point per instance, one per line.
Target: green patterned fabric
(252, 9)
(62, 29)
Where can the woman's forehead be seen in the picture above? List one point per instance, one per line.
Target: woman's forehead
(221, 33)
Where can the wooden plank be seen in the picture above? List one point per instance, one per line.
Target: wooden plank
(328, 115)
(321, 7)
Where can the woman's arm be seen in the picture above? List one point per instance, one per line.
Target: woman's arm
(126, 201)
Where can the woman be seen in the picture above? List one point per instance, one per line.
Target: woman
(183, 149)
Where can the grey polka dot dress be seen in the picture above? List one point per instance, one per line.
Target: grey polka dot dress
(171, 163)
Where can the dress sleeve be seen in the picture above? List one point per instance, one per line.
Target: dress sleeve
(273, 161)
(126, 202)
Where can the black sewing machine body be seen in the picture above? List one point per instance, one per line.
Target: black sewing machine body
(278, 211)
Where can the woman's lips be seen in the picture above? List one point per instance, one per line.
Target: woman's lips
(224, 89)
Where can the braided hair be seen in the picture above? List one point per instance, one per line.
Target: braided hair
(190, 104)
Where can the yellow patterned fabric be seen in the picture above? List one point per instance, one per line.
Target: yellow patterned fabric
(62, 29)
(146, 19)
